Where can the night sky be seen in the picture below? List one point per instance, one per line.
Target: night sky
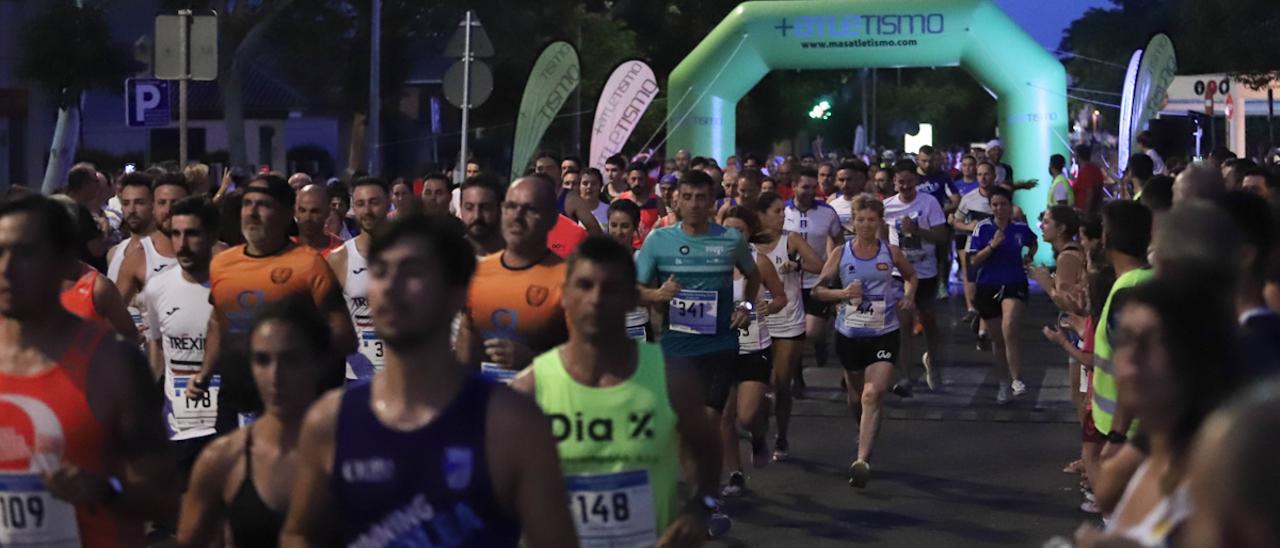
(1045, 20)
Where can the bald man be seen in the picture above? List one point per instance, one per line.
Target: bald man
(310, 211)
(513, 310)
(1199, 180)
(299, 180)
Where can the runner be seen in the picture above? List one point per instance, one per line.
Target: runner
(820, 226)
(338, 223)
(138, 209)
(92, 296)
(435, 194)
(622, 480)
(936, 182)
(1000, 295)
(615, 173)
(588, 192)
(851, 180)
(426, 453)
(859, 275)
(974, 208)
(299, 180)
(827, 186)
(917, 226)
(749, 188)
(177, 303)
(791, 257)
(478, 210)
(513, 311)
(310, 213)
(242, 481)
(968, 179)
(624, 217)
(403, 200)
(155, 252)
(369, 200)
(85, 458)
(695, 261)
(745, 409)
(642, 194)
(268, 267)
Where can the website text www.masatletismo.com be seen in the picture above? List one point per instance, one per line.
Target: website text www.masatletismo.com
(858, 43)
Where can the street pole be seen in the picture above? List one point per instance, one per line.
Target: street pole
(184, 53)
(461, 171)
(577, 108)
(1271, 114)
(375, 88)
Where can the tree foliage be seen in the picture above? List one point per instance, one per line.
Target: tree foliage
(69, 49)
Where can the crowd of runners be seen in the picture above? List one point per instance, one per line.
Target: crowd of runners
(599, 358)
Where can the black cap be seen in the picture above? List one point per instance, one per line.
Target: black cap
(274, 186)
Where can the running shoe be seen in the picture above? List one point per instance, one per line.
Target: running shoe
(1075, 467)
(1019, 388)
(737, 484)
(759, 452)
(1090, 507)
(719, 524)
(859, 474)
(943, 294)
(930, 374)
(984, 342)
(970, 319)
(780, 450)
(1002, 395)
(902, 389)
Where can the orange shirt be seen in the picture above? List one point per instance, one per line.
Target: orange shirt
(239, 284)
(45, 419)
(520, 305)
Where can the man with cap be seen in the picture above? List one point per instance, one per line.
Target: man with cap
(995, 153)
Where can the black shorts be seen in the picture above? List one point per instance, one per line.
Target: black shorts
(813, 306)
(987, 298)
(799, 337)
(962, 241)
(185, 453)
(715, 370)
(856, 354)
(754, 366)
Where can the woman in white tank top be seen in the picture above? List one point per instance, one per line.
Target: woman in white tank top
(790, 255)
(745, 405)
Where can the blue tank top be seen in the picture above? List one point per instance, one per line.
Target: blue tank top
(427, 487)
(877, 313)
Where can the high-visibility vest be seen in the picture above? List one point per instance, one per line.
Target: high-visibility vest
(1104, 374)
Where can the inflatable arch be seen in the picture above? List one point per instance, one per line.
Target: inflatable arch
(756, 37)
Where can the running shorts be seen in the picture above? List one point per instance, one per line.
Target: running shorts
(715, 370)
(855, 354)
(754, 366)
(987, 298)
(813, 306)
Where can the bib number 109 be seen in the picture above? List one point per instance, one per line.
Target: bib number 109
(21, 511)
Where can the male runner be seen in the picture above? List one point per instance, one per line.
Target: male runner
(435, 194)
(917, 226)
(615, 173)
(138, 211)
(822, 230)
(851, 180)
(155, 252)
(404, 202)
(267, 267)
(84, 459)
(425, 453)
(936, 182)
(513, 311)
(748, 191)
(311, 212)
(478, 210)
(637, 414)
(695, 261)
(370, 201)
(827, 186)
(975, 207)
(968, 179)
(642, 194)
(177, 303)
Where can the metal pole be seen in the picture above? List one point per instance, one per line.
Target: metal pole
(1271, 114)
(460, 173)
(375, 88)
(184, 53)
(871, 134)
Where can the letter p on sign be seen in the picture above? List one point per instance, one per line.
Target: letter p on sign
(146, 102)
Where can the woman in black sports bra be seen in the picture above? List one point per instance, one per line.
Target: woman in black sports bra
(240, 485)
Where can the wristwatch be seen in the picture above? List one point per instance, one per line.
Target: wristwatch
(1116, 437)
(114, 489)
(747, 306)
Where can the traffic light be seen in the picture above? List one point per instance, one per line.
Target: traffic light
(821, 111)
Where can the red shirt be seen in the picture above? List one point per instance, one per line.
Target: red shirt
(1088, 186)
(565, 236)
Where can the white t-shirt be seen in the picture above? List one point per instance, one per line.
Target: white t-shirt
(974, 208)
(177, 313)
(816, 224)
(844, 210)
(926, 211)
(1157, 162)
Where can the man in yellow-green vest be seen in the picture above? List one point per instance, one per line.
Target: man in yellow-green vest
(1060, 189)
(1126, 236)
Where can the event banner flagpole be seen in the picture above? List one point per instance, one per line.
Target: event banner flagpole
(554, 76)
(623, 101)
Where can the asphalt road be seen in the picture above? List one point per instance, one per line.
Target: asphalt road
(951, 468)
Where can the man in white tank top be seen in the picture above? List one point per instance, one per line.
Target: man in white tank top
(178, 308)
(154, 252)
(589, 201)
(370, 200)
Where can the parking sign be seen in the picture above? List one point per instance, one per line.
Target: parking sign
(146, 102)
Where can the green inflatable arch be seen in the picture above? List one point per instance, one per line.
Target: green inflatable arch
(756, 37)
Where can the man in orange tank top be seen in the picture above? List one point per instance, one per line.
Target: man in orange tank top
(268, 267)
(513, 312)
(83, 460)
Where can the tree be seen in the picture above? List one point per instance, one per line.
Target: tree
(68, 49)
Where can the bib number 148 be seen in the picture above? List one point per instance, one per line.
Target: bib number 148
(602, 508)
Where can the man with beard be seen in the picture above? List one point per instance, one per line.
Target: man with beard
(643, 195)
(268, 267)
(310, 213)
(827, 187)
(514, 312)
(426, 453)
(155, 251)
(369, 200)
(478, 210)
(138, 211)
(79, 413)
(177, 303)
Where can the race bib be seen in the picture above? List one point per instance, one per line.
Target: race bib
(495, 372)
(613, 510)
(30, 516)
(372, 347)
(869, 314)
(694, 312)
(186, 414)
(749, 337)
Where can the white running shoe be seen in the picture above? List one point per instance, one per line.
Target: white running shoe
(930, 375)
(1019, 388)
